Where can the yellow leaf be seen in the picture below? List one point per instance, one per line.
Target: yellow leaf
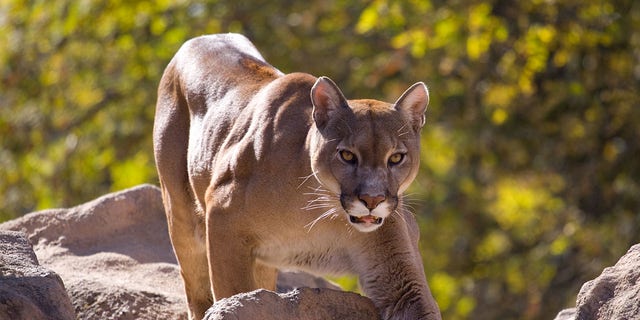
(368, 18)
(499, 116)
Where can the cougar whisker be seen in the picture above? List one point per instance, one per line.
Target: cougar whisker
(328, 213)
(305, 179)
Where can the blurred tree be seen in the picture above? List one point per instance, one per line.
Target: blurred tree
(530, 179)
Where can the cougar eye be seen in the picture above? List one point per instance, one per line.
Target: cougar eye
(348, 156)
(396, 158)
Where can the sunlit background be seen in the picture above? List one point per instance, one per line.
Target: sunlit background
(530, 178)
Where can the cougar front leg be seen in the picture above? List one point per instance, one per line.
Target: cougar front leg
(265, 276)
(396, 283)
(231, 262)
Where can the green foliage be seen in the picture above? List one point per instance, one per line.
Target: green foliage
(346, 282)
(529, 181)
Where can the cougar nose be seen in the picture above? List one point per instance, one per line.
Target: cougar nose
(371, 201)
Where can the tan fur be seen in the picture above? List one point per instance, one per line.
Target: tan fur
(253, 178)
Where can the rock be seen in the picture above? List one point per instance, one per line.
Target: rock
(116, 261)
(612, 295)
(28, 290)
(299, 304)
(113, 254)
(566, 314)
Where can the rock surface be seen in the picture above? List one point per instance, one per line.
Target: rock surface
(615, 294)
(299, 304)
(116, 261)
(28, 290)
(113, 254)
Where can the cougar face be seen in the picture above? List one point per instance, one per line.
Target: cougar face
(368, 156)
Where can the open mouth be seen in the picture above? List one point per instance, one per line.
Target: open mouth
(368, 219)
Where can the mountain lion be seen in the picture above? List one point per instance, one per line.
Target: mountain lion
(260, 170)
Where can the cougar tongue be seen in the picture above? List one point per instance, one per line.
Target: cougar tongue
(366, 219)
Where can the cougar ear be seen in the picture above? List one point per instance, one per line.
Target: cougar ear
(413, 103)
(327, 99)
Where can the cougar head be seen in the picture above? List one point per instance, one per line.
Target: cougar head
(367, 151)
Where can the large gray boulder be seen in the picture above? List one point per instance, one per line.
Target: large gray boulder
(615, 294)
(116, 261)
(113, 254)
(28, 290)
